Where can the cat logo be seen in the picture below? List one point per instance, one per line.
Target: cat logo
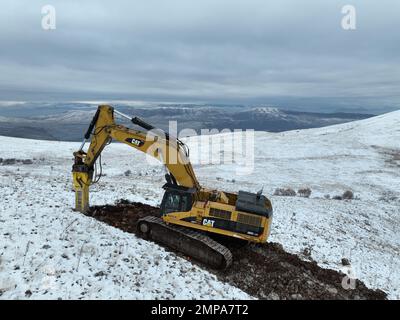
(208, 222)
(135, 142)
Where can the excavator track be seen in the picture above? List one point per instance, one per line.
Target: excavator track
(189, 242)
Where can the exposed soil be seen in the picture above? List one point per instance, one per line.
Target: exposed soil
(264, 271)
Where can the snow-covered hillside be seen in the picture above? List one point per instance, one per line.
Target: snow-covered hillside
(49, 251)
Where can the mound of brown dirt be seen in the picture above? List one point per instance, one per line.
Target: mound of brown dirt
(264, 271)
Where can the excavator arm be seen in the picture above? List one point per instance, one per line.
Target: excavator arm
(154, 142)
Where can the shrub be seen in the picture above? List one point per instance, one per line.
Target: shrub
(288, 192)
(11, 161)
(305, 192)
(348, 195)
(345, 262)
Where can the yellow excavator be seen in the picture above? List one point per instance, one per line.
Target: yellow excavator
(189, 214)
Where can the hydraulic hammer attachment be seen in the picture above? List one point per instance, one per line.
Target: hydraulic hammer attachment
(82, 178)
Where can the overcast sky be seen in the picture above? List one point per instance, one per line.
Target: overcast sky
(236, 51)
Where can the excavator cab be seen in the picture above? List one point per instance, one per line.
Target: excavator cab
(176, 199)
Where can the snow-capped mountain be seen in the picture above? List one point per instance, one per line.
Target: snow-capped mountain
(67, 121)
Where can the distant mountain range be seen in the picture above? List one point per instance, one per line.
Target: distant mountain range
(68, 121)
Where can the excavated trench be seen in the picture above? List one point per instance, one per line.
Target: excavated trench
(263, 271)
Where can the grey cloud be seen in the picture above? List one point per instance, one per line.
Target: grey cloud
(237, 50)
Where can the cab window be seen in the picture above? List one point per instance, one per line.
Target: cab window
(176, 202)
(172, 203)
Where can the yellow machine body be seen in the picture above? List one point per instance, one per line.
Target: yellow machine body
(185, 202)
